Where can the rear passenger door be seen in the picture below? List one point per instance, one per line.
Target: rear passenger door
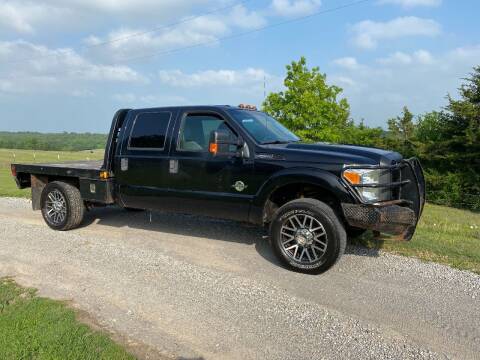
(142, 165)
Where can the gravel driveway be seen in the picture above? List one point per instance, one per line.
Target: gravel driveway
(191, 287)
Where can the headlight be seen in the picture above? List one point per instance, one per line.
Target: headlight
(369, 176)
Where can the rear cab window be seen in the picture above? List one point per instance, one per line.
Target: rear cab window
(149, 131)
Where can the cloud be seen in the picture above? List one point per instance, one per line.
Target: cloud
(50, 70)
(209, 78)
(23, 17)
(122, 43)
(342, 81)
(367, 34)
(346, 62)
(295, 8)
(219, 86)
(421, 57)
(243, 18)
(138, 100)
(419, 80)
(26, 16)
(412, 3)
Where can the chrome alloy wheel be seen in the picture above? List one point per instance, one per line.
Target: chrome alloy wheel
(303, 238)
(56, 207)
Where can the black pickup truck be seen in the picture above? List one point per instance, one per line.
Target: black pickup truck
(241, 164)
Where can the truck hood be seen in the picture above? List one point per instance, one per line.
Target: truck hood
(334, 153)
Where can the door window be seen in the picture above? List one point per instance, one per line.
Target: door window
(196, 129)
(149, 130)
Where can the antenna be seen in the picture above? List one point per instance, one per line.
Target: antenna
(264, 87)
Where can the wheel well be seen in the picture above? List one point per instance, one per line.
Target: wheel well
(289, 192)
(38, 183)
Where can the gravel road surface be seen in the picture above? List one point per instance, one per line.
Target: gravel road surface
(189, 287)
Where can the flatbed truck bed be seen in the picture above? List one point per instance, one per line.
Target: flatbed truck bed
(89, 176)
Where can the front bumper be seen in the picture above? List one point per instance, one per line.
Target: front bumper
(398, 217)
(394, 220)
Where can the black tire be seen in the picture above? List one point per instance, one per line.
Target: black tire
(74, 207)
(332, 234)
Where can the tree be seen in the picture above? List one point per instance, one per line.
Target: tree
(429, 128)
(364, 135)
(309, 106)
(450, 146)
(454, 133)
(462, 126)
(401, 131)
(463, 115)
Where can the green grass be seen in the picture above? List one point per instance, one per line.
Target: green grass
(7, 184)
(444, 235)
(32, 327)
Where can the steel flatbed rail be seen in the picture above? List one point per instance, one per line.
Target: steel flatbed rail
(83, 169)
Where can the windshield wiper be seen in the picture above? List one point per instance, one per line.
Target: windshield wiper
(274, 142)
(278, 142)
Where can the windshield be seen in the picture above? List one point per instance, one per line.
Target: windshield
(263, 128)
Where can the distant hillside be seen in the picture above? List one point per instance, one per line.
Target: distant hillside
(52, 141)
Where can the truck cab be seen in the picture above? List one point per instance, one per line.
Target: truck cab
(241, 164)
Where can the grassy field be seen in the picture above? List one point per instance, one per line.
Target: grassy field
(36, 328)
(7, 184)
(445, 235)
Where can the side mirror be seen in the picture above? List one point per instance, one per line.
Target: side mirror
(223, 143)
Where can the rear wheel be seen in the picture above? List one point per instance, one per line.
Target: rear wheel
(62, 206)
(307, 236)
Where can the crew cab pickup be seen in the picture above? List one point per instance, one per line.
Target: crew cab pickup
(241, 164)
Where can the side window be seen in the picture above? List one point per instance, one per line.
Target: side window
(149, 130)
(196, 129)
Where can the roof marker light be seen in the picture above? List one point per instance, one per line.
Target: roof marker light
(247, 107)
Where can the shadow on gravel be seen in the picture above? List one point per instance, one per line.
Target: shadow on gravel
(360, 250)
(186, 225)
(365, 245)
(204, 227)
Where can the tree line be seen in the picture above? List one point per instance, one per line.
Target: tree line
(66, 141)
(447, 140)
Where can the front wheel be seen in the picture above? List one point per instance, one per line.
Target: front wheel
(307, 236)
(62, 206)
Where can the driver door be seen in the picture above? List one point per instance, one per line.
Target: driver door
(202, 183)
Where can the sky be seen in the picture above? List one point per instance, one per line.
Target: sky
(68, 65)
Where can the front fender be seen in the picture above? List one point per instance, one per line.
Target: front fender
(312, 176)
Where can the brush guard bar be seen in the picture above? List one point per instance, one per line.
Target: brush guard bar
(398, 217)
